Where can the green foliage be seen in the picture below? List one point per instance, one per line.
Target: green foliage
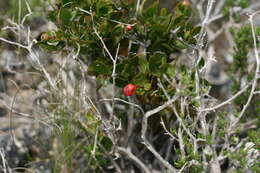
(256, 167)
(19, 6)
(240, 156)
(144, 55)
(145, 41)
(244, 41)
(254, 137)
(229, 4)
(151, 40)
(222, 124)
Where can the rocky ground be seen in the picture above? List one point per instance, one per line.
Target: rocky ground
(25, 134)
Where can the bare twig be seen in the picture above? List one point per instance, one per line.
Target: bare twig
(227, 101)
(11, 110)
(123, 101)
(167, 131)
(114, 81)
(200, 44)
(144, 130)
(179, 118)
(13, 43)
(111, 20)
(254, 84)
(33, 54)
(138, 162)
(4, 166)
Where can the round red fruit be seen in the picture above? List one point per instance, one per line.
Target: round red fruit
(185, 2)
(129, 89)
(129, 27)
(45, 37)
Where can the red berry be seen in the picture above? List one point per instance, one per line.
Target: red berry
(129, 90)
(185, 2)
(129, 27)
(45, 37)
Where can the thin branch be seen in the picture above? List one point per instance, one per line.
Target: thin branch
(200, 44)
(5, 166)
(13, 43)
(123, 101)
(254, 85)
(11, 110)
(167, 131)
(144, 130)
(111, 20)
(28, 14)
(33, 55)
(158, 156)
(138, 162)
(227, 101)
(104, 45)
(77, 53)
(178, 117)
(160, 108)
(114, 81)
(93, 151)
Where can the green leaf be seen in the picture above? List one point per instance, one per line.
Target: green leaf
(156, 62)
(147, 86)
(170, 70)
(127, 67)
(163, 12)
(178, 20)
(151, 11)
(99, 67)
(65, 1)
(167, 47)
(128, 70)
(195, 31)
(103, 8)
(183, 9)
(106, 143)
(180, 44)
(144, 65)
(141, 80)
(65, 16)
(201, 63)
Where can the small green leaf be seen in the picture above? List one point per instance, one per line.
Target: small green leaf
(180, 44)
(106, 143)
(128, 70)
(139, 80)
(163, 12)
(99, 67)
(178, 20)
(167, 47)
(156, 63)
(170, 70)
(65, 16)
(65, 1)
(144, 65)
(147, 86)
(127, 67)
(195, 31)
(201, 63)
(151, 11)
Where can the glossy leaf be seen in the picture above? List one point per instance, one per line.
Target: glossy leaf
(99, 67)
(144, 65)
(65, 16)
(156, 63)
